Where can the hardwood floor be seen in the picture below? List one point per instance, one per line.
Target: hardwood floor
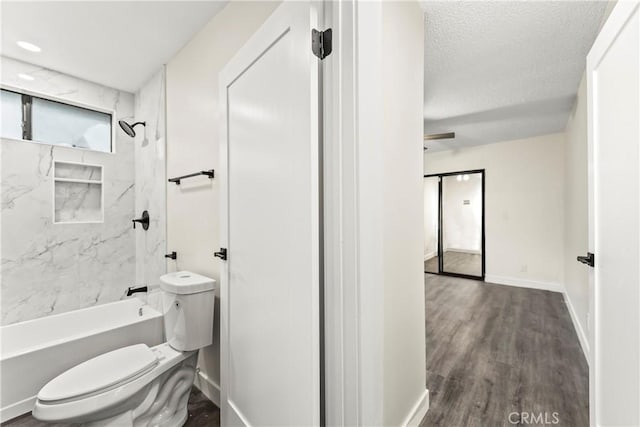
(202, 412)
(493, 350)
(456, 262)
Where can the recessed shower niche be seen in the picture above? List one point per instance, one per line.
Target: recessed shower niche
(77, 193)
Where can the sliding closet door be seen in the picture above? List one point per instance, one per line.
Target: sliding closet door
(431, 228)
(462, 224)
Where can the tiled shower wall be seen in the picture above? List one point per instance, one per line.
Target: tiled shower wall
(150, 149)
(49, 268)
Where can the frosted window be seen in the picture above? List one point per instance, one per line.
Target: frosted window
(11, 106)
(61, 124)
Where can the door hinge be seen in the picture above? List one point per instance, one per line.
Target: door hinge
(321, 42)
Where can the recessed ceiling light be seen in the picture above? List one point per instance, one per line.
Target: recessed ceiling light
(26, 77)
(28, 46)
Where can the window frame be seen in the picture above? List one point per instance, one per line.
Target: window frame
(27, 117)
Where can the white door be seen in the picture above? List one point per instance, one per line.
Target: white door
(270, 351)
(613, 72)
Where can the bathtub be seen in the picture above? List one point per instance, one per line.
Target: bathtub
(35, 351)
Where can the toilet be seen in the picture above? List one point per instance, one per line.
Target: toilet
(138, 385)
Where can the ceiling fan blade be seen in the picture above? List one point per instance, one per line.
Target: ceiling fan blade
(447, 135)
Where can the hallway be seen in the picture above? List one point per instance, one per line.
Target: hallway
(493, 350)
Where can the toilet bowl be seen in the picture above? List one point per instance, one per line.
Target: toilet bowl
(138, 385)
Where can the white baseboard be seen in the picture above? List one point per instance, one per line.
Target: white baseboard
(16, 409)
(582, 337)
(208, 387)
(524, 283)
(430, 255)
(418, 411)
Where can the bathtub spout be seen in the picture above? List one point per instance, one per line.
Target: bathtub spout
(131, 291)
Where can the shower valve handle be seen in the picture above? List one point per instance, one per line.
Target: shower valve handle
(144, 221)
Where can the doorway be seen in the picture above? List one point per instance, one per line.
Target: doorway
(454, 224)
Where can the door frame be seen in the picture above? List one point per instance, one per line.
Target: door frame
(354, 306)
(483, 238)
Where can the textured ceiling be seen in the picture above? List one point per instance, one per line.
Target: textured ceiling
(116, 43)
(497, 71)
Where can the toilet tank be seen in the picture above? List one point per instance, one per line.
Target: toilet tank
(188, 301)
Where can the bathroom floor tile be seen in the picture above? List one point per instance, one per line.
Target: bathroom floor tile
(202, 412)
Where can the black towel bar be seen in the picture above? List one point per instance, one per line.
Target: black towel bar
(210, 173)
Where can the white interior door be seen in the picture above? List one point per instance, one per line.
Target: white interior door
(613, 72)
(270, 352)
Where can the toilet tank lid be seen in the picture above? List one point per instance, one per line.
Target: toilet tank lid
(186, 282)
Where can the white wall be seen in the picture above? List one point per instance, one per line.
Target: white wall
(524, 214)
(462, 224)
(430, 217)
(404, 329)
(192, 145)
(576, 227)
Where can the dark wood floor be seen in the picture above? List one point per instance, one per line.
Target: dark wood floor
(202, 412)
(456, 262)
(493, 350)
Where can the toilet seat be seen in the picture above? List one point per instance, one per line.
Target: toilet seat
(82, 407)
(100, 374)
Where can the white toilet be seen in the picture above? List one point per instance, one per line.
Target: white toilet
(138, 385)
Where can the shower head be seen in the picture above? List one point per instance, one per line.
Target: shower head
(128, 129)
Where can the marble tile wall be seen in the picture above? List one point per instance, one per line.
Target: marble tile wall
(75, 171)
(51, 268)
(150, 190)
(77, 202)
